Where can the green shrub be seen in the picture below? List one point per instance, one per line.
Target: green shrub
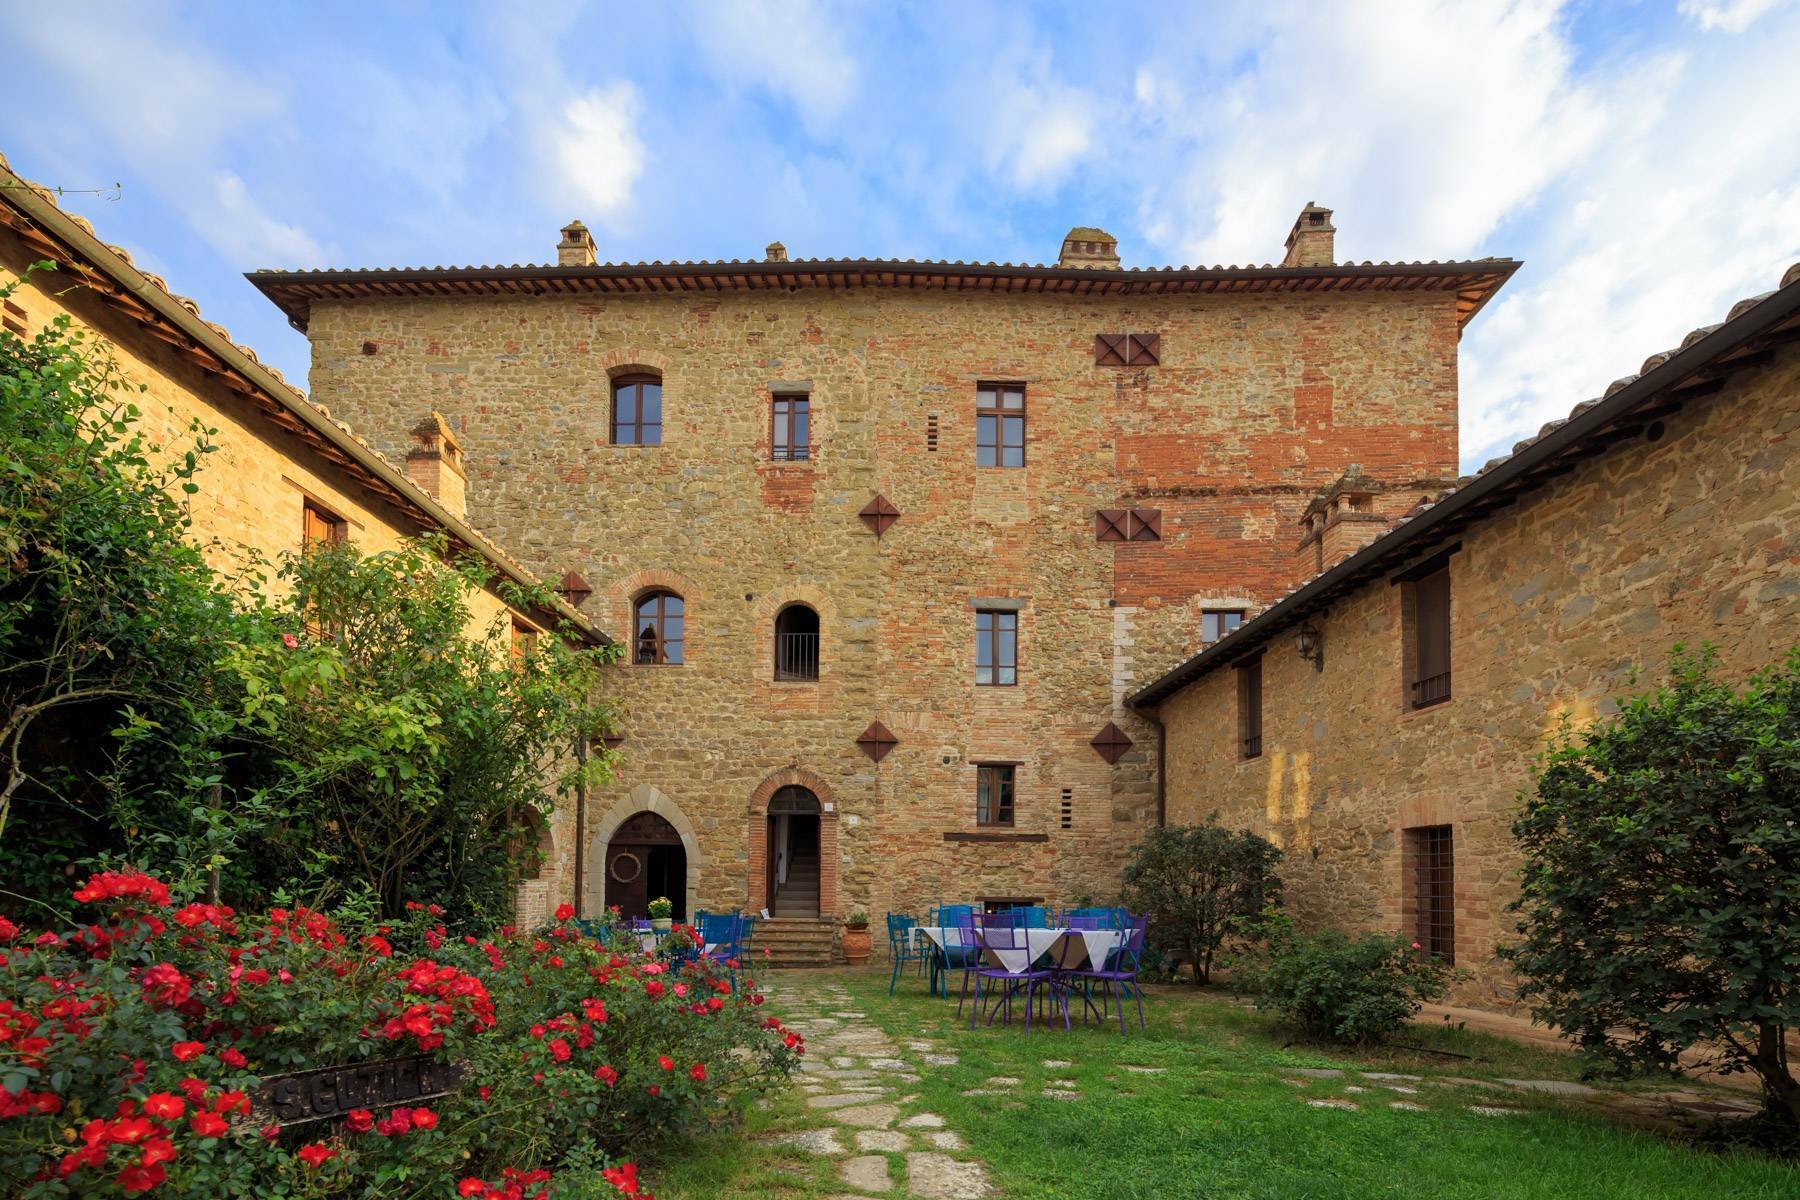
(1661, 883)
(1335, 988)
(1198, 885)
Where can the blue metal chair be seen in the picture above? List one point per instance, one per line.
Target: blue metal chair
(961, 956)
(1119, 974)
(904, 947)
(1003, 937)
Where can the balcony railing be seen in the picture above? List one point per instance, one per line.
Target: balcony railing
(1433, 689)
(796, 657)
(800, 453)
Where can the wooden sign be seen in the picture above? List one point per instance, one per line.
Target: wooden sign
(333, 1091)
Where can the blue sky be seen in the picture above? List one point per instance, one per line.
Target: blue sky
(1641, 158)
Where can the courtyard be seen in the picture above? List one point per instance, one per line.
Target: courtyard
(899, 1098)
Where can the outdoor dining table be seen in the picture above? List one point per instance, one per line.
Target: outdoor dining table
(1065, 948)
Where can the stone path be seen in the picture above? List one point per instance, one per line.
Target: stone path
(1678, 1110)
(855, 1078)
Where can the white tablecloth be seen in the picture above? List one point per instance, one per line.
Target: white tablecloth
(1070, 949)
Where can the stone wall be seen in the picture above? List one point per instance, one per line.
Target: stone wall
(1257, 403)
(248, 511)
(1555, 603)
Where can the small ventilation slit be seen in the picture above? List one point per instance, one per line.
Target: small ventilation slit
(931, 433)
(1068, 808)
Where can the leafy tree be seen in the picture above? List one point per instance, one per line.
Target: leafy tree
(111, 622)
(1660, 898)
(1198, 884)
(419, 747)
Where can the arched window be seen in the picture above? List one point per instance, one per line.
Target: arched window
(661, 627)
(796, 644)
(637, 410)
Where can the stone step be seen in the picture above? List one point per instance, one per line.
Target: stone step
(794, 941)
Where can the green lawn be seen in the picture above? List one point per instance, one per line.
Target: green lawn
(1221, 1122)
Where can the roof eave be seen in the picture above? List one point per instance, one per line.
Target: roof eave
(1434, 526)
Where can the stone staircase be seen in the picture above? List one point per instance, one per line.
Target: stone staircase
(799, 896)
(793, 942)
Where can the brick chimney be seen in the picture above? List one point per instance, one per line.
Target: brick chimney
(436, 464)
(1310, 242)
(577, 246)
(1340, 521)
(1086, 246)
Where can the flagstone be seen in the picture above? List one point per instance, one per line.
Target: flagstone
(871, 1116)
(813, 1141)
(881, 1139)
(868, 1172)
(939, 1177)
(923, 1121)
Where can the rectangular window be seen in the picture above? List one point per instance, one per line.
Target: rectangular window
(1000, 425)
(1215, 623)
(790, 429)
(1428, 680)
(524, 640)
(1431, 881)
(637, 410)
(1249, 678)
(994, 794)
(320, 525)
(996, 647)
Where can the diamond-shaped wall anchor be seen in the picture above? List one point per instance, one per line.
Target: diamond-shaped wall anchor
(1111, 743)
(876, 741)
(879, 513)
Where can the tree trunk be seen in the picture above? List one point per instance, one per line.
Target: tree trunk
(1781, 1091)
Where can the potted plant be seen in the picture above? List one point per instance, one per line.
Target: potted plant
(662, 913)
(857, 942)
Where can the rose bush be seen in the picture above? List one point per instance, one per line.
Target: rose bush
(132, 1050)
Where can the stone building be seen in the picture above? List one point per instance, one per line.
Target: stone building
(1380, 721)
(285, 471)
(895, 539)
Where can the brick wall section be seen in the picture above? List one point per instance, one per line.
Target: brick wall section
(253, 489)
(1258, 403)
(1554, 603)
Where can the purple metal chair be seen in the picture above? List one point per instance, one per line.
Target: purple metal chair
(967, 955)
(1120, 970)
(996, 933)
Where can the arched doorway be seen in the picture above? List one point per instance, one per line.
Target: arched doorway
(793, 858)
(645, 859)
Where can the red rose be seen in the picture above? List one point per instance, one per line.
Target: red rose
(141, 1179)
(164, 1107)
(424, 1118)
(187, 1051)
(606, 1075)
(231, 1056)
(471, 1187)
(564, 911)
(559, 1050)
(697, 1072)
(665, 1062)
(208, 1125)
(157, 1150)
(359, 1120)
(290, 641)
(654, 1090)
(315, 1154)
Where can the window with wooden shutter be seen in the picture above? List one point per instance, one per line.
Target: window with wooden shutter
(1110, 525)
(321, 525)
(994, 794)
(1249, 678)
(524, 641)
(1000, 425)
(1127, 349)
(1146, 525)
(1430, 676)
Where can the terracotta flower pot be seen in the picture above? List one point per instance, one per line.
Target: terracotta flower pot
(857, 944)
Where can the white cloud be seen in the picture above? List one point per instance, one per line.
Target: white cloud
(790, 48)
(597, 148)
(1429, 125)
(1726, 16)
(246, 233)
(1041, 132)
